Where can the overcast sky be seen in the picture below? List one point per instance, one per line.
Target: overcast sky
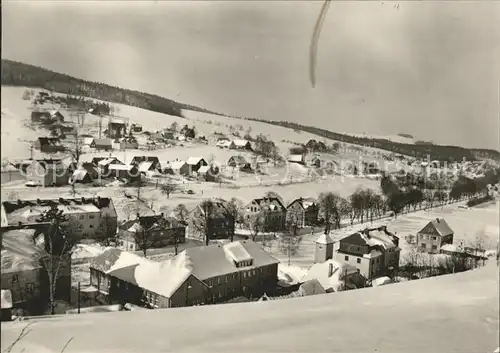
(430, 69)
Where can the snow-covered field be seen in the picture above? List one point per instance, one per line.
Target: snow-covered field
(407, 317)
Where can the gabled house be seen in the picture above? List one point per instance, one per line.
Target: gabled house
(102, 144)
(271, 211)
(125, 143)
(180, 167)
(129, 172)
(155, 162)
(239, 162)
(195, 163)
(236, 269)
(303, 211)
(48, 172)
(434, 235)
(241, 145)
(160, 231)
(86, 173)
(48, 145)
(56, 116)
(375, 252)
(213, 222)
(104, 164)
(223, 143)
(208, 173)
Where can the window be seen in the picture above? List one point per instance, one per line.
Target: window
(91, 216)
(15, 279)
(91, 226)
(29, 288)
(423, 245)
(358, 261)
(434, 247)
(346, 258)
(82, 216)
(434, 238)
(244, 274)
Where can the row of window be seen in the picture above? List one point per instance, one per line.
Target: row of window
(358, 260)
(91, 216)
(232, 276)
(424, 246)
(152, 298)
(428, 237)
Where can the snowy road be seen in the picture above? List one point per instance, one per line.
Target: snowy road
(454, 313)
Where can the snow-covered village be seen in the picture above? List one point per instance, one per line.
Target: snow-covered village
(124, 211)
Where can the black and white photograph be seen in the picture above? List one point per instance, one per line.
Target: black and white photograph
(255, 176)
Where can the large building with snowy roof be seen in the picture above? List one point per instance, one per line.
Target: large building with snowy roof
(87, 216)
(374, 252)
(201, 275)
(434, 236)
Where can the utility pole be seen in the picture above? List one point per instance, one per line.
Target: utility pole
(78, 297)
(100, 125)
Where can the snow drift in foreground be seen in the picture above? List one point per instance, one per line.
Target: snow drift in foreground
(385, 319)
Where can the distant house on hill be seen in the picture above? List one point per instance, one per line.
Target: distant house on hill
(102, 144)
(297, 158)
(155, 162)
(315, 146)
(303, 211)
(241, 145)
(223, 143)
(208, 173)
(129, 172)
(48, 145)
(195, 163)
(104, 164)
(56, 115)
(239, 162)
(434, 235)
(180, 167)
(86, 173)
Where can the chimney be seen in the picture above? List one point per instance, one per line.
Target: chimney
(330, 270)
(437, 220)
(138, 215)
(83, 199)
(61, 200)
(20, 223)
(19, 202)
(161, 214)
(38, 201)
(99, 199)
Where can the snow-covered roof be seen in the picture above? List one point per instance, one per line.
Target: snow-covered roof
(452, 248)
(177, 165)
(19, 251)
(127, 167)
(240, 143)
(335, 281)
(6, 299)
(296, 158)
(87, 140)
(381, 281)
(106, 161)
(236, 252)
(223, 143)
(194, 160)
(144, 166)
(372, 254)
(324, 239)
(79, 174)
(203, 169)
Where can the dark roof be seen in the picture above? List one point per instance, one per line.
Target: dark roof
(438, 226)
(301, 201)
(102, 142)
(49, 141)
(239, 159)
(262, 201)
(149, 221)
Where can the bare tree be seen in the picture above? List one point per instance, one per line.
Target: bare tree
(174, 126)
(329, 206)
(59, 240)
(181, 213)
(205, 223)
(255, 224)
(413, 261)
(143, 239)
(168, 188)
(290, 245)
(233, 214)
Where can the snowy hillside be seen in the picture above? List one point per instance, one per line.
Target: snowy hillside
(463, 306)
